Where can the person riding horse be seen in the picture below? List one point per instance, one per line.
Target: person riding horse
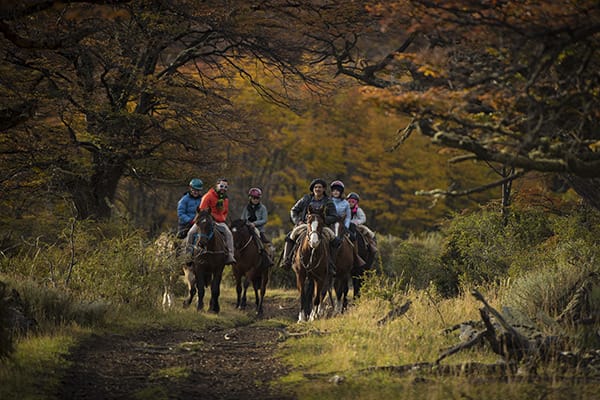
(344, 215)
(256, 214)
(217, 202)
(186, 207)
(358, 220)
(317, 199)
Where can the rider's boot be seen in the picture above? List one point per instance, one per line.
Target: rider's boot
(372, 245)
(358, 260)
(334, 246)
(287, 253)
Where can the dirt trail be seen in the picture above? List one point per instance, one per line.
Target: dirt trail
(233, 363)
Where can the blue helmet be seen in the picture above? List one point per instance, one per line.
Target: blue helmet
(196, 184)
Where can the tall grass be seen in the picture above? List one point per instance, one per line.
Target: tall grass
(95, 277)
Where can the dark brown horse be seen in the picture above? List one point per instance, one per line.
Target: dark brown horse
(344, 262)
(367, 254)
(252, 265)
(310, 264)
(208, 263)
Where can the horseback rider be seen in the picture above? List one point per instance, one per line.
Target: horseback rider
(344, 214)
(217, 202)
(256, 214)
(186, 207)
(358, 220)
(316, 199)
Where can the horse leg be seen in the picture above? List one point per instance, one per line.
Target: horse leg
(306, 298)
(167, 300)
(200, 279)
(316, 302)
(260, 293)
(190, 279)
(337, 309)
(345, 297)
(238, 291)
(215, 291)
(244, 292)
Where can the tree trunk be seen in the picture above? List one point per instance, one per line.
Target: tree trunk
(588, 189)
(94, 198)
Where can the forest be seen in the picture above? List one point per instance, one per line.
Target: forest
(470, 130)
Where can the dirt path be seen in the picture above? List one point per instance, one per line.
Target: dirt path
(233, 363)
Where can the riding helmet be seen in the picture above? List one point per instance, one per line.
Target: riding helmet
(315, 181)
(353, 195)
(339, 185)
(196, 184)
(255, 192)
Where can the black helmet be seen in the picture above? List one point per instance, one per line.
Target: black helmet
(353, 195)
(315, 181)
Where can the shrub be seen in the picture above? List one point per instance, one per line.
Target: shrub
(481, 247)
(92, 262)
(416, 261)
(6, 336)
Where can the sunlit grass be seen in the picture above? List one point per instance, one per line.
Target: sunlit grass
(35, 369)
(338, 357)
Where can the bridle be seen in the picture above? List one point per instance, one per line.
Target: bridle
(250, 236)
(206, 237)
(313, 225)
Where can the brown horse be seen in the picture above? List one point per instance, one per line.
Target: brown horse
(310, 264)
(364, 250)
(252, 265)
(344, 262)
(208, 263)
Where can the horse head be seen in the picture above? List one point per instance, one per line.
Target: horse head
(240, 229)
(315, 221)
(206, 227)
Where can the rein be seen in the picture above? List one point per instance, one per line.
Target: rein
(247, 242)
(311, 266)
(209, 236)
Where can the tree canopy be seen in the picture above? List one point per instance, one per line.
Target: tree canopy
(99, 90)
(509, 82)
(98, 93)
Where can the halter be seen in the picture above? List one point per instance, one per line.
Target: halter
(312, 230)
(250, 237)
(210, 234)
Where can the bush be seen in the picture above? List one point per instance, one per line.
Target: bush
(6, 334)
(415, 261)
(92, 262)
(481, 247)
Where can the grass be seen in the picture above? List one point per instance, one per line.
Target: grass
(34, 370)
(335, 359)
(345, 349)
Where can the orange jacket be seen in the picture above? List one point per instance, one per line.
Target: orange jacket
(209, 201)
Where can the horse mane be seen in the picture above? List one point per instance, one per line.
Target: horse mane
(238, 223)
(204, 212)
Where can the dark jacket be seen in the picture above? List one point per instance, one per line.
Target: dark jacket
(300, 209)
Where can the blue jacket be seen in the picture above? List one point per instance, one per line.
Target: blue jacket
(186, 210)
(343, 210)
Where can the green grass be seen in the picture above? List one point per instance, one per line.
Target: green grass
(348, 349)
(35, 369)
